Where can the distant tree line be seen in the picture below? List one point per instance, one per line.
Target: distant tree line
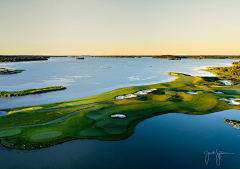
(21, 58)
(116, 56)
(175, 57)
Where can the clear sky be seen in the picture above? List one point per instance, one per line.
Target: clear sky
(119, 27)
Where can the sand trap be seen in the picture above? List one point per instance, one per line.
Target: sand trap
(232, 101)
(192, 92)
(235, 102)
(226, 82)
(217, 92)
(140, 92)
(119, 115)
(148, 90)
(145, 91)
(135, 94)
(120, 97)
(130, 96)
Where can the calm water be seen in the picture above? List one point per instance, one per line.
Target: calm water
(166, 141)
(91, 76)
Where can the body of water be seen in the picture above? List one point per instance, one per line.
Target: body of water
(167, 141)
(92, 76)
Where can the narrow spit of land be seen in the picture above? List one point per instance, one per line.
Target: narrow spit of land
(31, 91)
(38, 126)
(10, 71)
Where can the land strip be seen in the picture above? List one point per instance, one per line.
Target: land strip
(31, 91)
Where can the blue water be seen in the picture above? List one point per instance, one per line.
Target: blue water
(92, 76)
(3, 113)
(166, 141)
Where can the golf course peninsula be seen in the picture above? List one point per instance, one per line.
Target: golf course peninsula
(114, 114)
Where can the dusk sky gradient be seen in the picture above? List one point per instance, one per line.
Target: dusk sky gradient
(119, 27)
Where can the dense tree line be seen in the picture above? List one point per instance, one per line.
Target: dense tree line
(21, 58)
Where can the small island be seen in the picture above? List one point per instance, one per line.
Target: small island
(31, 91)
(79, 58)
(108, 116)
(10, 71)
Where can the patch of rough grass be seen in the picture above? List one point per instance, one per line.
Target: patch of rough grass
(46, 135)
(10, 132)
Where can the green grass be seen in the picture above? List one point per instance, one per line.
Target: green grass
(31, 91)
(96, 123)
(9, 132)
(46, 135)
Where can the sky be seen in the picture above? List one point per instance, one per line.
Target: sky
(119, 27)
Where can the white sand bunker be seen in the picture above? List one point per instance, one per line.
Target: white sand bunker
(119, 115)
(193, 92)
(232, 101)
(135, 94)
(226, 82)
(140, 92)
(145, 91)
(120, 97)
(217, 92)
(126, 96)
(130, 96)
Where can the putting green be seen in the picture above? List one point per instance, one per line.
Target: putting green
(46, 135)
(9, 132)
